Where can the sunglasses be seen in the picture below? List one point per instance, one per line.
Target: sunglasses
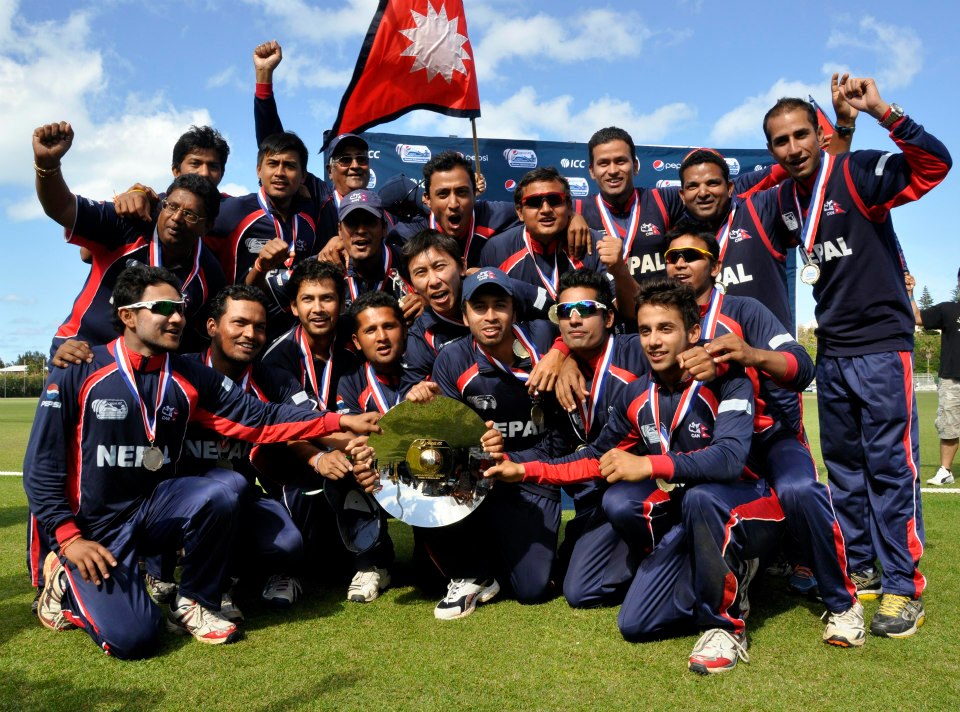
(163, 307)
(689, 254)
(537, 199)
(583, 308)
(188, 215)
(346, 161)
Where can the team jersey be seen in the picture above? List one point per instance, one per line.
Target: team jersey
(778, 405)
(115, 243)
(363, 390)
(606, 376)
(489, 217)
(862, 304)
(707, 427)
(84, 471)
(291, 354)
(946, 317)
(430, 331)
(642, 224)
(390, 276)
(204, 448)
(524, 259)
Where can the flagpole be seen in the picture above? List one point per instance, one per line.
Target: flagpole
(476, 149)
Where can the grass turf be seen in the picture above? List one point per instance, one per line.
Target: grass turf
(391, 654)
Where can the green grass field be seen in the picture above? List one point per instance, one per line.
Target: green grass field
(392, 654)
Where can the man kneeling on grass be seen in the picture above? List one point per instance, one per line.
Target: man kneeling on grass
(686, 442)
(101, 475)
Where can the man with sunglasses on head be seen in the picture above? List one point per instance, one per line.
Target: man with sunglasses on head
(101, 474)
(172, 240)
(535, 251)
(742, 330)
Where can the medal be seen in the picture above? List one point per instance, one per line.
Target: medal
(519, 350)
(720, 287)
(630, 233)
(278, 228)
(552, 314)
(536, 415)
(153, 458)
(810, 273)
(665, 486)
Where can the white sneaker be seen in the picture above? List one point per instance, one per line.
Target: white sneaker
(187, 615)
(718, 650)
(160, 591)
(846, 629)
(462, 597)
(367, 585)
(229, 609)
(943, 477)
(282, 591)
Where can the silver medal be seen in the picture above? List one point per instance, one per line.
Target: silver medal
(665, 486)
(519, 350)
(809, 273)
(153, 458)
(536, 415)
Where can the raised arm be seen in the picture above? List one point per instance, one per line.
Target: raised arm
(50, 143)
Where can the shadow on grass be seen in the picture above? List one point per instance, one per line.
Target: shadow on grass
(312, 696)
(57, 693)
(15, 516)
(16, 617)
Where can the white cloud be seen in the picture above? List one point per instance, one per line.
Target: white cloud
(319, 25)
(898, 50)
(222, 79)
(526, 114)
(51, 72)
(746, 121)
(594, 36)
(235, 189)
(17, 299)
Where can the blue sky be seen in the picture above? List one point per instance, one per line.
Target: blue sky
(132, 76)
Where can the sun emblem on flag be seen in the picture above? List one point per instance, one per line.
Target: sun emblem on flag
(436, 44)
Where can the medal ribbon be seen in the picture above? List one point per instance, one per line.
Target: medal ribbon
(708, 325)
(378, 395)
(265, 206)
(517, 373)
(686, 400)
(552, 284)
(723, 234)
(354, 287)
(470, 233)
(156, 260)
(589, 409)
(127, 374)
(310, 371)
(611, 227)
(808, 227)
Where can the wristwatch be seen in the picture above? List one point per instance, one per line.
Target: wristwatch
(893, 115)
(845, 131)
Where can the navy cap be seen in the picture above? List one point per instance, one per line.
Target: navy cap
(361, 200)
(486, 277)
(403, 196)
(332, 148)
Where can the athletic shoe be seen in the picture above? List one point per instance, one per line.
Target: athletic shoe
(867, 583)
(898, 616)
(50, 608)
(779, 567)
(718, 650)
(282, 591)
(229, 609)
(462, 597)
(845, 629)
(35, 604)
(367, 585)
(160, 591)
(803, 582)
(753, 565)
(187, 615)
(943, 477)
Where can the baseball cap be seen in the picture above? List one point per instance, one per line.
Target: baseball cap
(403, 196)
(361, 200)
(486, 277)
(332, 149)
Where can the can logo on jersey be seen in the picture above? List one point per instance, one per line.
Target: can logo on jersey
(740, 235)
(578, 186)
(698, 431)
(413, 153)
(832, 207)
(520, 158)
(734, 165)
